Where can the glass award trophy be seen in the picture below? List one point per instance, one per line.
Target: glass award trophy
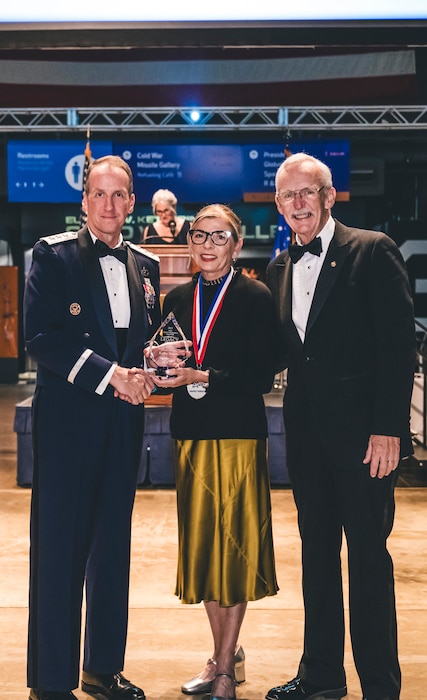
(163, 357)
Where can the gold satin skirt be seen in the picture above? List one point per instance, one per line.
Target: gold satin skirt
(225, 540)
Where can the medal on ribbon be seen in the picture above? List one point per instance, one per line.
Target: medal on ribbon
(202, 328)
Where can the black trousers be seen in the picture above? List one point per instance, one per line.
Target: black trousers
(86, 457)
(331, 500)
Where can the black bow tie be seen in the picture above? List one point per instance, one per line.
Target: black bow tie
(121, 252)
(297, 251)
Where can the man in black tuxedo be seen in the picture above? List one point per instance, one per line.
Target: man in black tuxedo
(346, 334)
(91, 302)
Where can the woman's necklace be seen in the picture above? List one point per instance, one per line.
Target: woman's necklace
(211, 283)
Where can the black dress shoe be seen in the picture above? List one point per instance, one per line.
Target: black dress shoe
(36, 694)
(298, 689)
(111, 687)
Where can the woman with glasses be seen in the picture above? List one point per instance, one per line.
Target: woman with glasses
(218, 420)
(169, 228)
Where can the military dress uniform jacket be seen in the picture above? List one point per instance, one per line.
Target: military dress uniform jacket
(68, 325)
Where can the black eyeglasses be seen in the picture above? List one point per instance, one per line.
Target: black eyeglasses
(218, 237)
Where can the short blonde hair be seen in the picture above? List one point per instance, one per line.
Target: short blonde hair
(220, 211)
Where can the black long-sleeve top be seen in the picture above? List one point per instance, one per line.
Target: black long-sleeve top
(240, 359)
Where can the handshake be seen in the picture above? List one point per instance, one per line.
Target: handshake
(135, 384)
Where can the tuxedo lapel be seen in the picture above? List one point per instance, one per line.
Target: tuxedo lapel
(284, 281)
(334, 259)
(98, 290)
(138, 318)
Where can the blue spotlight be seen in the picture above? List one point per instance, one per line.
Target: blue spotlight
(195, 115)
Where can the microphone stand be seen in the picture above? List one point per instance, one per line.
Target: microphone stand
(172, 226)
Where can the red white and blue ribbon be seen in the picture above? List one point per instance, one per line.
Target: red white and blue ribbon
(202, 328)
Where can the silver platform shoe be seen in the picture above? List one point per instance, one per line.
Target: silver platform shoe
(197, 686)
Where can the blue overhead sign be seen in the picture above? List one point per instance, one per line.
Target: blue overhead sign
(51, 171)
(260, 163)
(48, 171)
(223, 173)
(194, 173)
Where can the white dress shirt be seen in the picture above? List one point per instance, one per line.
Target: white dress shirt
(116, 281)
(305, 274)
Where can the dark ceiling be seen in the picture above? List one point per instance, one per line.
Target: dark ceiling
(213, 64)
(159, 35)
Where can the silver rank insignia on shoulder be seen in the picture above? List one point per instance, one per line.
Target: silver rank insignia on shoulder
(144, 251)
(148, 253)
(75, 308)
(60, 237)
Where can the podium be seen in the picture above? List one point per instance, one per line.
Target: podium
(176, 266)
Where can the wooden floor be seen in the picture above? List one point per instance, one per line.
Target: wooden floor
(168, 642)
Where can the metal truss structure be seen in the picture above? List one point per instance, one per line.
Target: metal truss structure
(154, 119)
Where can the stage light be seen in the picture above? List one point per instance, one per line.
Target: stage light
(195, 115)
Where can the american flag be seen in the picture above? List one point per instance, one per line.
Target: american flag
(283, 232)
(88, 156)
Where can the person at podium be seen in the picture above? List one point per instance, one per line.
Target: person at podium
(169, 228)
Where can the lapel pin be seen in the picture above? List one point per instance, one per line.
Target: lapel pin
(75, 309)
(333, 263)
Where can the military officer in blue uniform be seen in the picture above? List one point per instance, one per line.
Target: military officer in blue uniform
(87, 315)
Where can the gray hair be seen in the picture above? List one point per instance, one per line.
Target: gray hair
(321, 171)
(164, 196)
